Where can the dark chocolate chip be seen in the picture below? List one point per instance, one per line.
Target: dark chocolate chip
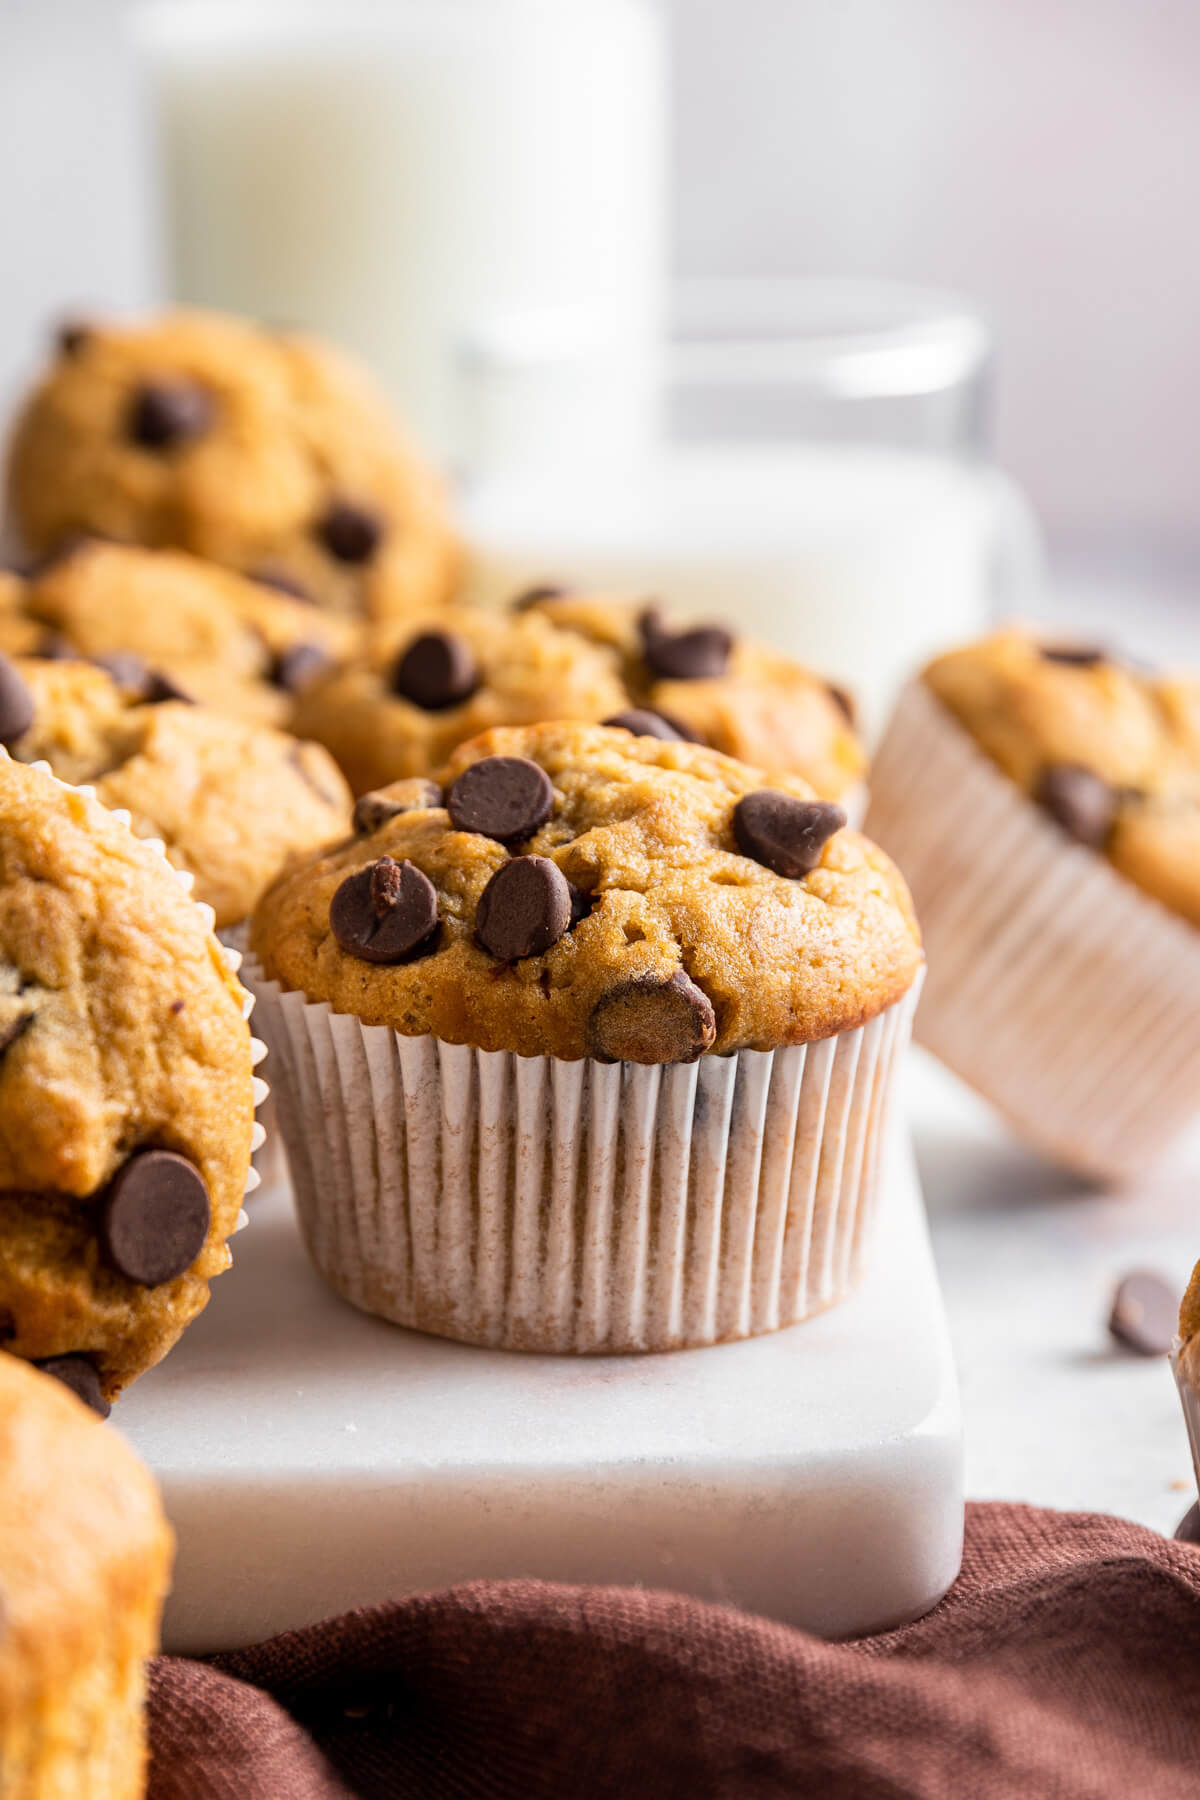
(783, 833)
(537, 596)
(524, 908)
(381, 804)
(160, 687)
(165, 414)
(297, 667)
(282, 583)
(581, 904)
(843, 699)
(1145, 1313)
(1188, 1529)
(71, 336)
(1075, 656)
(502, 797)
(386, 913)
(651, 1020)
(437, 670)
(644, 723)
(155, 1217)
(54, 647)
(127, 669)
(352, 534)
(1078, 800)
(79, 1374)
(15, 1028)
(694, 654)
(16, 704)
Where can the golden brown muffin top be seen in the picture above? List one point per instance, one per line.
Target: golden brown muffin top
(122, 1037)
(1109, 751)
(265, 450)
(569, 890)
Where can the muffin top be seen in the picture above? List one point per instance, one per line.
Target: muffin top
(83, 1540)
(1110, 752)
(233, 644)
(570, 890)
(265, 450)
(428, 685)
(126, 1091)
(230, 800)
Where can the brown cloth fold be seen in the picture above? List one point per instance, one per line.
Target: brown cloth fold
(1063, 1665)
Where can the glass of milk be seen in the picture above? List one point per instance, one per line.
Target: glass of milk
(388, 171)
(814, 470)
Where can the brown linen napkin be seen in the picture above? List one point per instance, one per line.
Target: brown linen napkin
(1063, 1665)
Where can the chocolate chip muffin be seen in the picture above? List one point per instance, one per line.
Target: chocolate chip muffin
(230, 800)
(85, 1559)
(266, 451)
(426, 686)
(619, 984)
(126, 1092)
(1043, 798)
(160, 619)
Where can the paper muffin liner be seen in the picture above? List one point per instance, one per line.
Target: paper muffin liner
(531, 1203)
(1068, 998)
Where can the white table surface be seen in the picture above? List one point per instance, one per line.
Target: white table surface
(1054, 1411)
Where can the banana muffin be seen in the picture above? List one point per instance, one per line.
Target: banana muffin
(696, 979)
(1043, 799)
(162, 617)
(85, 1561)
(425, 687)
(265, 450)
(126, 1092)
(229, 799)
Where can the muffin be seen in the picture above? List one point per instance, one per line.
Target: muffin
(230, 800)
(264, 450)
(587, 1046)
(160, 616)
(85, 1561)
(1043, 799)
(126, 1092)
(426, 686)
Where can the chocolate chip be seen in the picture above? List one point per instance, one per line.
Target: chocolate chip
(1145, 1313)
(437, 670)
(1078, 800)
(376, 808)
(502, 797)
(352, 534)
(160, 687)
(783, 833)
(385, 913)
(71, 337)
(282, 583)
(524, 908)
(644, 723)
(297, 667)
(16, 704)
(1188, 1529)
(79, 1374)
(537, 596)
(843, 699)
(54, 647)
(14, 1029)
(155, 1217)
(1075, 656)
(696, 654)
(651, 1020)
(581, 904)
(165, 414)
(127, 669)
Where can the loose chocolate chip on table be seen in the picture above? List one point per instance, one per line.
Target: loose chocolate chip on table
(79, 1374)
(282, 583)
(697, 653)
(649, 1019)
(1145, 1313)
(1188, 1529)
(16, 704)
(524, 908)
(381, 804)
(164, 414)
(297, 667)
(1081, 802)
(536, 596)
(783, 833)
(155, 1216)
(71, 337)
(1075, 656)
(350, 533)
(501, 797)
(385, 913)
(437, 670)
(644, 723)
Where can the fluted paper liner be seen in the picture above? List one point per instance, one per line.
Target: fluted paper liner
(1067, 997)
(536, 1204)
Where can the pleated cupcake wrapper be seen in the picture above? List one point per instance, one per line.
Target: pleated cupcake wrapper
(536, 1204)
(1064, 995)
